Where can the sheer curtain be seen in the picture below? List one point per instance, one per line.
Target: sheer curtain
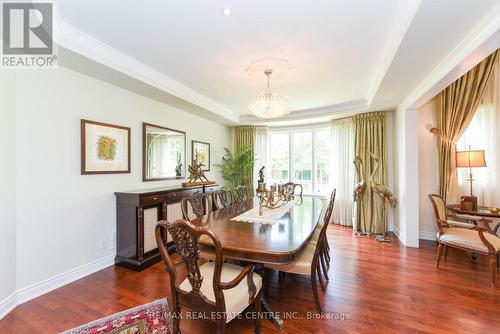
(260, 153)
(342, 168)
(483, 134)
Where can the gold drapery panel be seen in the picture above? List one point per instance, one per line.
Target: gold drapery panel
(245, 137)
(370, 137)
(455, 107)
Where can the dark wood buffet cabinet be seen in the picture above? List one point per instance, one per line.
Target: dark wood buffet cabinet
(136, 215)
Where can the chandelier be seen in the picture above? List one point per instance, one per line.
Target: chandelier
(268, 104)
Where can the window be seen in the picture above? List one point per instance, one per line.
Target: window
(302, 159)
(301, 156)
(322, 161)
(279, 158)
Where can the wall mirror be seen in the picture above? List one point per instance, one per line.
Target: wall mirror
(164, 153)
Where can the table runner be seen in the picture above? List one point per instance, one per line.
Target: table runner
(269, 216)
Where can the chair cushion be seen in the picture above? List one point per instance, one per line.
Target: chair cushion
(315, 236)
(465, 237)
(236, 298)
(301, 264)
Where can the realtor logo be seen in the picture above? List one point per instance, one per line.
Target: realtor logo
(27, 33)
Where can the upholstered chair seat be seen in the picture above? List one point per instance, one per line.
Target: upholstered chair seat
(468, 238)
(237, 298)
(301, 264)
(315, 237)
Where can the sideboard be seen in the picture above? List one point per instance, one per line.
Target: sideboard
(137, 213)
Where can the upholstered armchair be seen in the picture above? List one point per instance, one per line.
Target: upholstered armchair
(219, 290)
(467, 237)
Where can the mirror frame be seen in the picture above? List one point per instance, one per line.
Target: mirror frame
(145, 154)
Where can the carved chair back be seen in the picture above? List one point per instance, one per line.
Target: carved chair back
(185, 237)
(199, 204)
(321, 243)
(290, 188)
(241, 193)
(222, 198)
(327, 216)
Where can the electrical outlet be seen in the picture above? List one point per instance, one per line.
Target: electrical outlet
(104, 244)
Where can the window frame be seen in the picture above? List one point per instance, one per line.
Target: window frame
(290, 131)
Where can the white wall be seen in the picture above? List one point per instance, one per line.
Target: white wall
(7, 192)
(406, 175)
(427, 169)
(62, 216)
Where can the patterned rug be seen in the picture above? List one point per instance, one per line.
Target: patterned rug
(152, 318)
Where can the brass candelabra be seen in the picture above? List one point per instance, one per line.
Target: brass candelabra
(272, 199)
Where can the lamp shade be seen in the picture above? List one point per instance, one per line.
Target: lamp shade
(471, 158)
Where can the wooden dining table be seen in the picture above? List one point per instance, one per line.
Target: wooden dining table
(260, 243)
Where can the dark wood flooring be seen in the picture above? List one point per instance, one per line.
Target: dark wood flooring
(375, 287)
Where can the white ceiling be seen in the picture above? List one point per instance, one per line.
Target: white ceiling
(346, 56)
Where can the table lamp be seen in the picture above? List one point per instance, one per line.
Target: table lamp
(470, 159)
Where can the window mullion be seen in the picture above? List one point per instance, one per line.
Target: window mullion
(313, 167)
(290, 148)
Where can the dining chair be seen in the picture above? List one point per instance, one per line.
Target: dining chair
(198, 203)
(241, 193)
(308, 261)
(467, 237)
(222, 198)
(290, 188)
(325, 254)
(218, 290)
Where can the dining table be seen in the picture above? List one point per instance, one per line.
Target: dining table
(279, 242)
(482, 214)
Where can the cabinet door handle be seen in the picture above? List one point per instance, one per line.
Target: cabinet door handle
(155, 198)
(174, 194)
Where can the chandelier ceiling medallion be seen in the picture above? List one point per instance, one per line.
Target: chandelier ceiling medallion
(268, 104)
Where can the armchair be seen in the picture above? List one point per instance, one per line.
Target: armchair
(467, 237)
(218, 290)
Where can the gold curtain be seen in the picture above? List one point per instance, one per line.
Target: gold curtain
(245, 137)
(370, 137)
(455, 107)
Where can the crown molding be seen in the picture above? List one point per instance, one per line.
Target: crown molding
(479, 43)
(81, 43)
(391, 47)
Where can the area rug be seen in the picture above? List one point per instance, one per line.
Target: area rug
(152, 318)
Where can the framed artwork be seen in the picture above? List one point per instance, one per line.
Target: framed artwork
(105, 148)
(201, 151)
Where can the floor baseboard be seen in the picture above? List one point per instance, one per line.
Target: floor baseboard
(8, 304)
(45, 286)
(427, 235)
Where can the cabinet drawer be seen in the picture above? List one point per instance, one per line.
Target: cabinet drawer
(152, 199)
(210, 189)
(176, 195)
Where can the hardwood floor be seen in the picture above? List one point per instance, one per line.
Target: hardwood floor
(379, 287)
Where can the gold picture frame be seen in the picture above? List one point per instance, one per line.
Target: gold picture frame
(105, 148)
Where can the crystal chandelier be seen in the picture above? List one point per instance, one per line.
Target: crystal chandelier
(268, 104)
